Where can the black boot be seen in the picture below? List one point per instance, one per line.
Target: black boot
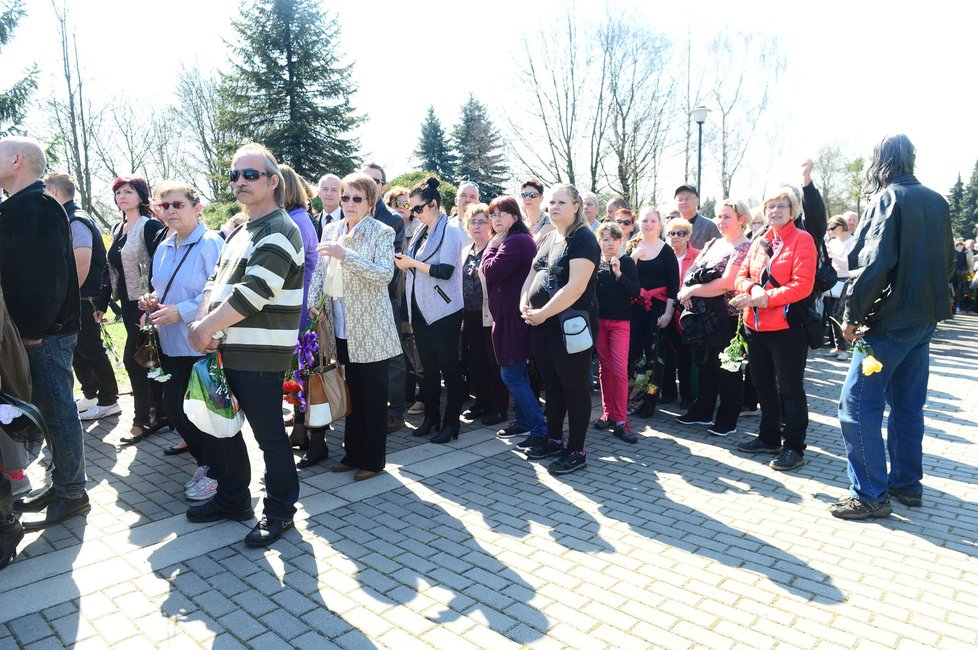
(448, 432)
(298, 437)
(318, 451)
(11, 532)
(429, 425)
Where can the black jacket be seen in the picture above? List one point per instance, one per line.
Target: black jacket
(383, 214)
(37, 265)
(902, 260)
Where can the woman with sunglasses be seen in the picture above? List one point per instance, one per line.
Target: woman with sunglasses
(433, 295)
(130, 257)
(840, 244)
(491, 396)
(676, 357)
(625, 219)
(709, 284)
(537, 222)
(773, 283)
(505, 265)
(658, 279)
(181, 265)
(397, 200)
(351, 282)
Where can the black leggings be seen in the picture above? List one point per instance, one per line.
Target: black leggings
(566, 379)
(438, 348)
(146, 393)
(199, 444)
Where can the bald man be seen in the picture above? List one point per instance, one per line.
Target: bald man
(40, 284)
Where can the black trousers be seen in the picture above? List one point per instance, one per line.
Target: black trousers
(568, 387)
(713, 382)
(777, 364)
(91, 363)
(676, 360)
(199, 444)
(484, 377)
(438, 348)
(365, 431)
(146, 393)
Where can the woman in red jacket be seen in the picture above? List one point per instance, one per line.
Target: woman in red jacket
(779, 272)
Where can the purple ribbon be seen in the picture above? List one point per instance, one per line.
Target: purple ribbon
(305, 350)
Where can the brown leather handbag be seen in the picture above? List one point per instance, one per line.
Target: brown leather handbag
(327, 394)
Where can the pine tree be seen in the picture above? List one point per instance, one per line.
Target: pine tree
(288, 89)
(432, 152)
(14, 100)
(969, 207)
(478, 148)
(955, 199)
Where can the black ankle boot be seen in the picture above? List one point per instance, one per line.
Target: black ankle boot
(429, 425)
(317, 449)
(11, 532)
(448, 433)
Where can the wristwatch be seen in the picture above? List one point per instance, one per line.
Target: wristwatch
(218, 335)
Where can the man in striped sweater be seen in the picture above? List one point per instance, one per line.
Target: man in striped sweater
(253, 301)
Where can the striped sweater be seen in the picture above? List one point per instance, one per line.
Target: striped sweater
(260, 274)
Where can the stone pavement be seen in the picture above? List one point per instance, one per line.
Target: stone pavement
(676, 542)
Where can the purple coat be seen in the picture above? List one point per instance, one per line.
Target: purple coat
(505, 269)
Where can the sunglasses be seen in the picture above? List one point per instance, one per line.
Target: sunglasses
(678, 233)
(624, 222)
(176, 205)
(249, 174)
(356, 199)
(418, 209)
(402, 204)
(530, 195)
(478, 222)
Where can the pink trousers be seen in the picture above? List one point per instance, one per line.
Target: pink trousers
(613, 367)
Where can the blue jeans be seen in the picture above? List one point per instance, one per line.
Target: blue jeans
(260, 397)
(52, 383)
(529, 415)
(901, 384)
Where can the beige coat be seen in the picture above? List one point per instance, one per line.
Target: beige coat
(371, 334)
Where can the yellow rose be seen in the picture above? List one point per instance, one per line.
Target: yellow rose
(871, 365)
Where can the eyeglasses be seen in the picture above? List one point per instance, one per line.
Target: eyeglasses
(418, 209)
(833, 227)
(356, 199)
(498, 215)
(249, 174)
(530, 195)
(176, 205)
(678, 233)
(402, 204)
(777, 206)
(624, 222)
(478, 222)
(379, 181)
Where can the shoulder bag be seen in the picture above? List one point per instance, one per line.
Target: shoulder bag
(147, 349)
(327, 394)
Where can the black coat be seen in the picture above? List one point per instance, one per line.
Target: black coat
(383, 214)
(902, 260)
(37, 264)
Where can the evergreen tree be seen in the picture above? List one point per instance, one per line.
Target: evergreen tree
(478, 150)
(965, 227)
(432, 152)
(14, 100)
(955, 199)
(287, 89)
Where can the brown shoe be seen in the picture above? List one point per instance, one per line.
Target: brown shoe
(340, 467)
(393, 424)
(364, 474)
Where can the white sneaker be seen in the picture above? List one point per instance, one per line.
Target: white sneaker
(204, 489)
(416, 409)
(97, 412)
(843, 356)
(199, 474)
(84, 403)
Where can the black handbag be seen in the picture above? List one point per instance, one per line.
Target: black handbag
(27, 428)
(805, 314)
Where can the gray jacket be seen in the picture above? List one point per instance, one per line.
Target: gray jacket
(439, 294)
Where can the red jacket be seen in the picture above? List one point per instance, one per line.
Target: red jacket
(793, 268)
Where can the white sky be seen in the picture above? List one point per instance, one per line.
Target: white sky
(856, 69)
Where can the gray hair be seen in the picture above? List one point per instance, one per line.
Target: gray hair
(30, 149)
(271, 165)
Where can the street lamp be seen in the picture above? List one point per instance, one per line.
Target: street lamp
(699, 116)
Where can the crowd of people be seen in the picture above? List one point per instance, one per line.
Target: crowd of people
(519, 297)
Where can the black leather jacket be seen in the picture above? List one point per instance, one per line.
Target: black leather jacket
(902, 260)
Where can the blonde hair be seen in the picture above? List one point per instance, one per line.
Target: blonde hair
(740, 209)
(167, 186)
(784, 192)
(474, 209)
(678, 223)
(296, 192)
(580, 221)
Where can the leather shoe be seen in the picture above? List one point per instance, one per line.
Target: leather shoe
(308, 460)
(393, 424)
(211, 511)
(494, 417)
(364, 474)
(267, 531)
(11, 534)
(174, 450)
(59, 510)
(36, 503)
(474, 412)
(340, 467)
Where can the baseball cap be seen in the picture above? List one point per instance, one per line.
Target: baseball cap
(688, 187)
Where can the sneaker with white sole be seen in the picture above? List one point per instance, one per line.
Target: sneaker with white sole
(199, 474)
(85, 403)
(202, 490)
(98, 412)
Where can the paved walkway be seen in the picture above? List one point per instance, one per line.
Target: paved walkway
(675, 542)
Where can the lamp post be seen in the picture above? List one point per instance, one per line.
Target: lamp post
(699, 116)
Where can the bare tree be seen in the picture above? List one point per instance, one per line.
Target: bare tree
(73, 119)
(832, 179)
(747, 68)
(196, 112)
(124, 147)
(639, 99)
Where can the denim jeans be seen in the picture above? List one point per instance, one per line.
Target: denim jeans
(52, 383)
(260, 397)
(901, 384)
(529, 415)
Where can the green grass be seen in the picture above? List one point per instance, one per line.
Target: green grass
(117, 334)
